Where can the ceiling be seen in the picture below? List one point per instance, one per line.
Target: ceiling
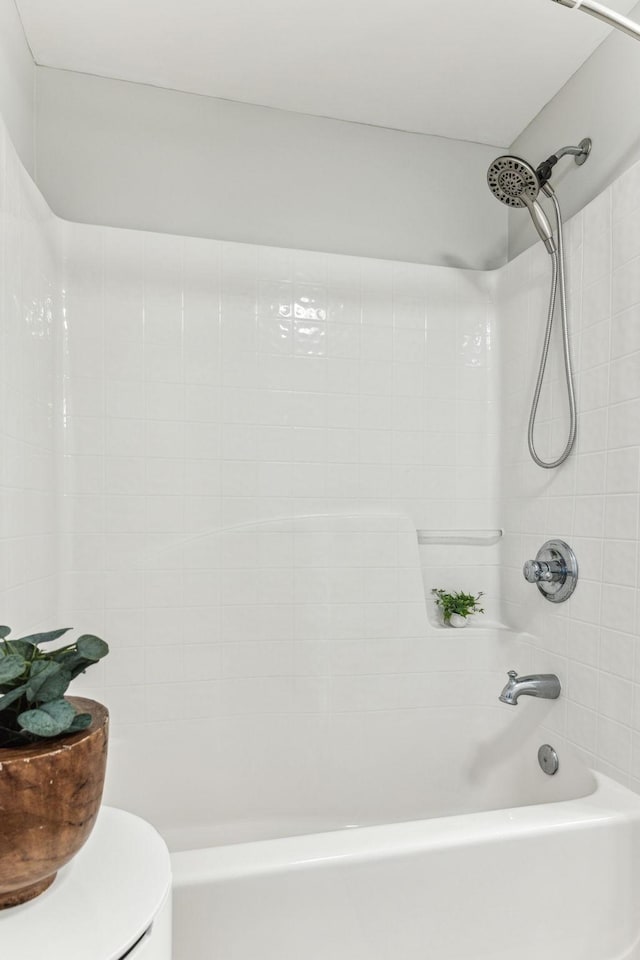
(470, 69)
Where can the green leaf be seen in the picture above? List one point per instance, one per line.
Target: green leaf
(459, 602)
(61, 655)
(80, 667)
(12, 666)
(48, 720)
(48, 681)
(80, 722)
(23, 647)
(4, 632)
(12, 696)
(91, 648)
(61, 710)
(46, 637)
(71, 661)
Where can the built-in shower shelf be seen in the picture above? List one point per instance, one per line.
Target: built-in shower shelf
(472, 538)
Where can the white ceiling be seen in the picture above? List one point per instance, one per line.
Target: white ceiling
(469, 69)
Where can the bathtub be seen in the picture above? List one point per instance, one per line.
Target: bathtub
(391, 836)
(558, 881)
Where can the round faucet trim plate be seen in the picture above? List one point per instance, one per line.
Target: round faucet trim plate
(554, 571)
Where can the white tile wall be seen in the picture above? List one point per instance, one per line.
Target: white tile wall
(30, 310)
(251, 433)
(592, 500)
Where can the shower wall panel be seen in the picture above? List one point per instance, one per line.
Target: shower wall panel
(591, 641)
(252, 438)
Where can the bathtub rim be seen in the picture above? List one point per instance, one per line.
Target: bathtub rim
(609, 801)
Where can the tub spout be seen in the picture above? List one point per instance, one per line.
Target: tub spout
(544, 685)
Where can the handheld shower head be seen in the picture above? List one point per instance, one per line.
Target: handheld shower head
(515, 183)
(511, 178)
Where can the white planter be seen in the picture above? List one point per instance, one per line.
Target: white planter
(457, 620)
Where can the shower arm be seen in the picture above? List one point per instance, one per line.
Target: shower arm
(579, 154)
(608, 16)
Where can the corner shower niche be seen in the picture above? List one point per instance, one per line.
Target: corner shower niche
(459, 557)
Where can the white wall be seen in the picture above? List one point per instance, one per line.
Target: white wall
(30, 318)
(229, 408)
(253, 436)
(17, 83)
(599, 101)
(248, 439)
(591, 501)
(129, 155)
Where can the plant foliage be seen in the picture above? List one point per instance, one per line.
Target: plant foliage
(33, 683)
(462, 603)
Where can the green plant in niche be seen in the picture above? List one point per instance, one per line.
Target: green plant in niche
(464, 604)
(33, 683)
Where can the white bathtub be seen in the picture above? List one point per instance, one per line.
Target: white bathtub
(389, 836)
(558, 881)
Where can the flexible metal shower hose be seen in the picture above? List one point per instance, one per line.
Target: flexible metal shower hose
(557, 279)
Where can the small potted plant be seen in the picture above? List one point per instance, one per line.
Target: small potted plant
(456, 607)
(53, 753)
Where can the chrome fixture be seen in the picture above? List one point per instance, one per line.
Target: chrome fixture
(548, 759)
(554, 570)
(543, 685)
(517, 184)
(610, 17)
(580, 155)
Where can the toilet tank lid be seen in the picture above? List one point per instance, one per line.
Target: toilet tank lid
(101, 902)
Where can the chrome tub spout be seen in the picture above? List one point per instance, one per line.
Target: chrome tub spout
(544, 685)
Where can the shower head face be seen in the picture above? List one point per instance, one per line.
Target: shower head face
(515, 183)
(510, 179)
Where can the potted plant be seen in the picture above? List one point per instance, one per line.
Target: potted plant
(456, 607)
(53, 752)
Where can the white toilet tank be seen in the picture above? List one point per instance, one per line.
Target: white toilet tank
(112, 901)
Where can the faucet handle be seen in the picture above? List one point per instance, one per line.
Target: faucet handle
(544, 571)
(531, 571)
(512, 674)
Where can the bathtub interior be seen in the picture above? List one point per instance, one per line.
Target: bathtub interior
(242, 779)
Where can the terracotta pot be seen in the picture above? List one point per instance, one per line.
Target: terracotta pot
(50, 794)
